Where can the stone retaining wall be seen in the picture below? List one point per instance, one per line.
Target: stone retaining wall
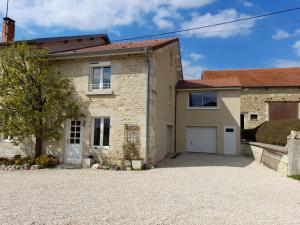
(285, 160)
(272, 156)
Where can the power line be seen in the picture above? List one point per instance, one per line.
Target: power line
(211, 25)
(257, 27)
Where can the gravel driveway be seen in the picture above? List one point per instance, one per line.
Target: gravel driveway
(192, 189)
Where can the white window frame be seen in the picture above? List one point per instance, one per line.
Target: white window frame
(101, 146)
(101, 66)
(201, 107)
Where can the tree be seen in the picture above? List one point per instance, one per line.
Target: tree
(35, 100)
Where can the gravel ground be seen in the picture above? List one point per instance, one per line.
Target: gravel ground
(192, 189)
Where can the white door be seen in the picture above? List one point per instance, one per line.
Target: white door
(229, 140)
(73, 150)
(202, 139)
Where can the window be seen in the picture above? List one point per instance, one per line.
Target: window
(100, 77)
(203, 99)
(253, 116)
(101, 132)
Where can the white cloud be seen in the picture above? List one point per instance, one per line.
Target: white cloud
(196, 56)
(163, 18)
(286, 63)
(247, 4)
(296, 47)
(89, 15)
(191, 71)
(280, 35)
(228, 30)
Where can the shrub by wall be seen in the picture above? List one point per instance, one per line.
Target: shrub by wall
(276, 132)
(248, 134)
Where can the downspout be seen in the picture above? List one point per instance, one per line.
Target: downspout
(147, 63)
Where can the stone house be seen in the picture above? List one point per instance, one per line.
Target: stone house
(128, 90)
(267, 94)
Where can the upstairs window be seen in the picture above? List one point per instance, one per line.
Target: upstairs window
(100, 77)
(203, 100)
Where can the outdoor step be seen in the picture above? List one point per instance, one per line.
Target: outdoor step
(68, 166)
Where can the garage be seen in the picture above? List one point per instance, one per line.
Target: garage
(201, 139)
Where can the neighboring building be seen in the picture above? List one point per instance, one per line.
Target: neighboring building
(267, 94)
(208, 116)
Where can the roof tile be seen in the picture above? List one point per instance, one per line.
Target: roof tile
(209, 83)
(272, 77)
(124, 45)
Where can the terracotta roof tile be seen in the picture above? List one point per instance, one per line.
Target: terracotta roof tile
(209, 83)
(274, 77)
(125, 45)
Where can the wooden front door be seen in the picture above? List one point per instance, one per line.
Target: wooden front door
(283, 110)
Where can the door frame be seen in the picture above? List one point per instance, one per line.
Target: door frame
(224, 135)
(67, 133)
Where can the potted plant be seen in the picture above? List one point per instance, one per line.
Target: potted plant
(88, 161)
(132, 156)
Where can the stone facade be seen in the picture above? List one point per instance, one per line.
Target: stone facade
(255, 101)
(124, 103)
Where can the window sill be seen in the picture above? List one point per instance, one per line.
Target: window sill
(100, 148)
(100, 92)
(204, 108)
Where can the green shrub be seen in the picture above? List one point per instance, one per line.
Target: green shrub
(27, 160)
(276, 132)
(46, 160)
(6, 161)
(248, 134)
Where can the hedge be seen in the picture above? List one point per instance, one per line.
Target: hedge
(276, 132)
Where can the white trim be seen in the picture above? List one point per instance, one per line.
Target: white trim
(101, 85)
(100, 146)
(68, 130)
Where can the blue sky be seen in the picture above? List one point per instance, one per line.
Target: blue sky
(251, 44)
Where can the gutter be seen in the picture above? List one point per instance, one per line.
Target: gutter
(208, 88)
(147, 62)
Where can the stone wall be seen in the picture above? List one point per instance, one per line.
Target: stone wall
(124, 103)
(254, 101)
(285, 160)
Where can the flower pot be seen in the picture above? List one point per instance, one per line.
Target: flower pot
(87, 162)
(137, 164)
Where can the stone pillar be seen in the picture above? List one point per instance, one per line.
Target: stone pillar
(293, 145)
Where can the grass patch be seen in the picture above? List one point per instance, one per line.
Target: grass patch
(297, 177)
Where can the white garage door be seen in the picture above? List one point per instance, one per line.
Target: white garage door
(202, 139)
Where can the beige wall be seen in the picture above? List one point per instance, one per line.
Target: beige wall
(227, 114)
(162, 105)
(253, 101)
(125, 104)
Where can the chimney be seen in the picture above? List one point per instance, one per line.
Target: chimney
(8, 30)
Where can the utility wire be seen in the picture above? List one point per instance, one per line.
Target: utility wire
(257, 27)
(211, 25)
